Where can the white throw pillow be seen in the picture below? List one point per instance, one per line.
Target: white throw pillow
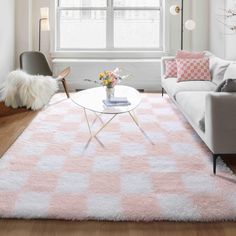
(218, 67)
(230, 73)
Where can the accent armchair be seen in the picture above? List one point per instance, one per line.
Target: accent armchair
(35, 63)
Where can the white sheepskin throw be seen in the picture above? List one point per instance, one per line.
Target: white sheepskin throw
(24, 90)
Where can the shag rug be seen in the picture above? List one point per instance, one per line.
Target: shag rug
(52, 172)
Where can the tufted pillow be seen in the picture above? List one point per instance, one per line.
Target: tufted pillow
(193, 69)
(189, 55)
(171, 69)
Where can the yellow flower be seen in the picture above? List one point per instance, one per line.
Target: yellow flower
(101, 75)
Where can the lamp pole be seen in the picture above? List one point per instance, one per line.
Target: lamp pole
(189, 24)
(40, 31)
(40, 25)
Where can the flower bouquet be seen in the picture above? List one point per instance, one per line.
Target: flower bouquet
(110, 79)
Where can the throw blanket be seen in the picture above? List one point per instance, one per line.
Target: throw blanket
(24, 90)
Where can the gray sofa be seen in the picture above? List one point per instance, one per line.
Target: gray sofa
(212, 114)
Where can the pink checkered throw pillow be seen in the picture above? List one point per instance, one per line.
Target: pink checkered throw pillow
(171, 69)
(193, 69)
(189, 55)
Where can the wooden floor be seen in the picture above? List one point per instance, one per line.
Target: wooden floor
(63, 228)
(13, 123)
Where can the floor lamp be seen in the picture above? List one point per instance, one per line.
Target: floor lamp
(43, 23)
(189, 24)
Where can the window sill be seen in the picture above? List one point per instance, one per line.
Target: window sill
(108, 54)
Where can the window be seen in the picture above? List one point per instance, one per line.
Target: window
(110, 25)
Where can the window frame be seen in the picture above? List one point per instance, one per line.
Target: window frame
(146, 53)
(109, 28)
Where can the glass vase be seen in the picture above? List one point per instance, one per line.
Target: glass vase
(110, 91)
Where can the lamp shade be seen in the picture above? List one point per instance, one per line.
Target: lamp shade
(190, 25)
(174, 10)
(44, 12)
(45, 26)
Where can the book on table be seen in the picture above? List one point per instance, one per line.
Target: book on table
(117, 101)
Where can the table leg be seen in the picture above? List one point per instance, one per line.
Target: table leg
(104, 125)
(98, 117)
(90, 130)
(86, 116)
(140, 128)
(135, 117)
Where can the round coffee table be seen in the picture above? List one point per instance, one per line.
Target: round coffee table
(92, 100)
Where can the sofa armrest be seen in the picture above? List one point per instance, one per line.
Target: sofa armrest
(163, 68)
(220, 122)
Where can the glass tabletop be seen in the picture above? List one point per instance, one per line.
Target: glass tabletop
(92, 99)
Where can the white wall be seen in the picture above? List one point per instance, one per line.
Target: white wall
(217, 29)
(200, 36)
(230, 37)
(23, 27)
(222, 40)
(7, 38)
(45, 40)
(27, 16)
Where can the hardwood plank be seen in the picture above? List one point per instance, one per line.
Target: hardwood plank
(7, 111)
(12, 123)
(69, 228)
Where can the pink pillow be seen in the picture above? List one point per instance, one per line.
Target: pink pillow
(171, 69)
(193, 69)
(189, 55)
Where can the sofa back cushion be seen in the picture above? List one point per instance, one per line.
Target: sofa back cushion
(230, 73)
(171, 69)
(193, 69)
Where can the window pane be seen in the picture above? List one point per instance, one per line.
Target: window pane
(83, 3)
(136, 29)
(136, 3)
(82, 29)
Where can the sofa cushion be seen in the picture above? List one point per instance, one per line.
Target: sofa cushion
(218, 67)
(193, 70)
(193, 105)
(230, 73)
(171, 69)
(172, 87)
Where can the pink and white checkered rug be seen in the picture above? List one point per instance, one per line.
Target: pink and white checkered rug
(48, 173)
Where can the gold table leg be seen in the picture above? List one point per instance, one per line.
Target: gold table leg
(133, 116)
(86, 116)
(98, 117)
(103, 127)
